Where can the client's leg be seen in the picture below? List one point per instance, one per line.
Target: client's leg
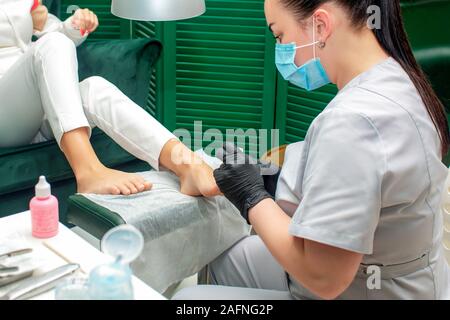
(54, 69)
(21, 112)
(140, 134)
(92, 176)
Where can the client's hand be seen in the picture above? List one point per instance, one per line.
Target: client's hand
(85, 20)
(39, 14)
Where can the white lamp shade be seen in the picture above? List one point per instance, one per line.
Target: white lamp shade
(157, 10)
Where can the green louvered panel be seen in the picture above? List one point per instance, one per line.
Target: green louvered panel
(151, 100)
(297, 108)
(148, 30)
(110, 26)
(224, 74)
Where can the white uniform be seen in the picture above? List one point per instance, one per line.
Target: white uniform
(41, 96)
(368, 178)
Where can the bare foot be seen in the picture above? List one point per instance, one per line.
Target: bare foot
(103, 180)
(196, 177)
(198, 180)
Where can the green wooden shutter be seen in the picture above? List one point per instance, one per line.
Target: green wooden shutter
(297, 108)
(149, 30)
(219, 68)
(110, 26)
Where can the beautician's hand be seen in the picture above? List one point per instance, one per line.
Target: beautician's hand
(85, 20)
(240, 183)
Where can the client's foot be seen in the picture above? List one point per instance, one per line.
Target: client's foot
(198, 180)
(103, 180)
(196, 177)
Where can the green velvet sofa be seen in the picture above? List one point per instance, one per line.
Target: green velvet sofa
(127, 64)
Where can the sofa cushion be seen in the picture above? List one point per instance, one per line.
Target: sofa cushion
(126, 63)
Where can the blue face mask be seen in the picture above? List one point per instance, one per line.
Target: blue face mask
(309, 76)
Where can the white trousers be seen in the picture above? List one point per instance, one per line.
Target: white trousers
(41, 98)
(247, 271)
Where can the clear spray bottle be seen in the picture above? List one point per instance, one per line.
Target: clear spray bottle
(113, 281)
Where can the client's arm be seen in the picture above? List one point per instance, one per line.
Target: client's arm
(76, 27)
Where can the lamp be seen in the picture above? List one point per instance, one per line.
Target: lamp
(157, 10)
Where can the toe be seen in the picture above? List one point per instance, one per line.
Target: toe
(138, 184)
(131, 187)
(124, 190)
(147, 185)
(114, 190)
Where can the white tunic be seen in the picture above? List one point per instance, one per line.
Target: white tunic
(368, 178)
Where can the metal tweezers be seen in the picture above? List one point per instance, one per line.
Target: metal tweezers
(15, 253)
(5, 269)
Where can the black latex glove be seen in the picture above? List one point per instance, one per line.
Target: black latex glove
(230, 154)
(271, 182)
(239, 179)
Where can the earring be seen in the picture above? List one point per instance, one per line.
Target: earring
(322, 45)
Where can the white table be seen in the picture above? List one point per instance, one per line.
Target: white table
(16, 229)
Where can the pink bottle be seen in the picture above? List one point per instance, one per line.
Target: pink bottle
(44, 211)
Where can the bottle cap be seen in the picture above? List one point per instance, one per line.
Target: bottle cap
(123, 242)
(43, 189)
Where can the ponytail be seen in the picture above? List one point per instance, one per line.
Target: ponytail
(394, 40)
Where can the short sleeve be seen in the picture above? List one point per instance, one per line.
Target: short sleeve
(341, 186)
(287, 191)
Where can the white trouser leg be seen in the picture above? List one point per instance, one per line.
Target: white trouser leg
(42, 83)
(124, 121)
(247, 271)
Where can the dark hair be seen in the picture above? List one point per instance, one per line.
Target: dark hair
(393, 39)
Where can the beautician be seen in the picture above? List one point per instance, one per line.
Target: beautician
(363, 189)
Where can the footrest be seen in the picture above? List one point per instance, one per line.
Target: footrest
(182, 234)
